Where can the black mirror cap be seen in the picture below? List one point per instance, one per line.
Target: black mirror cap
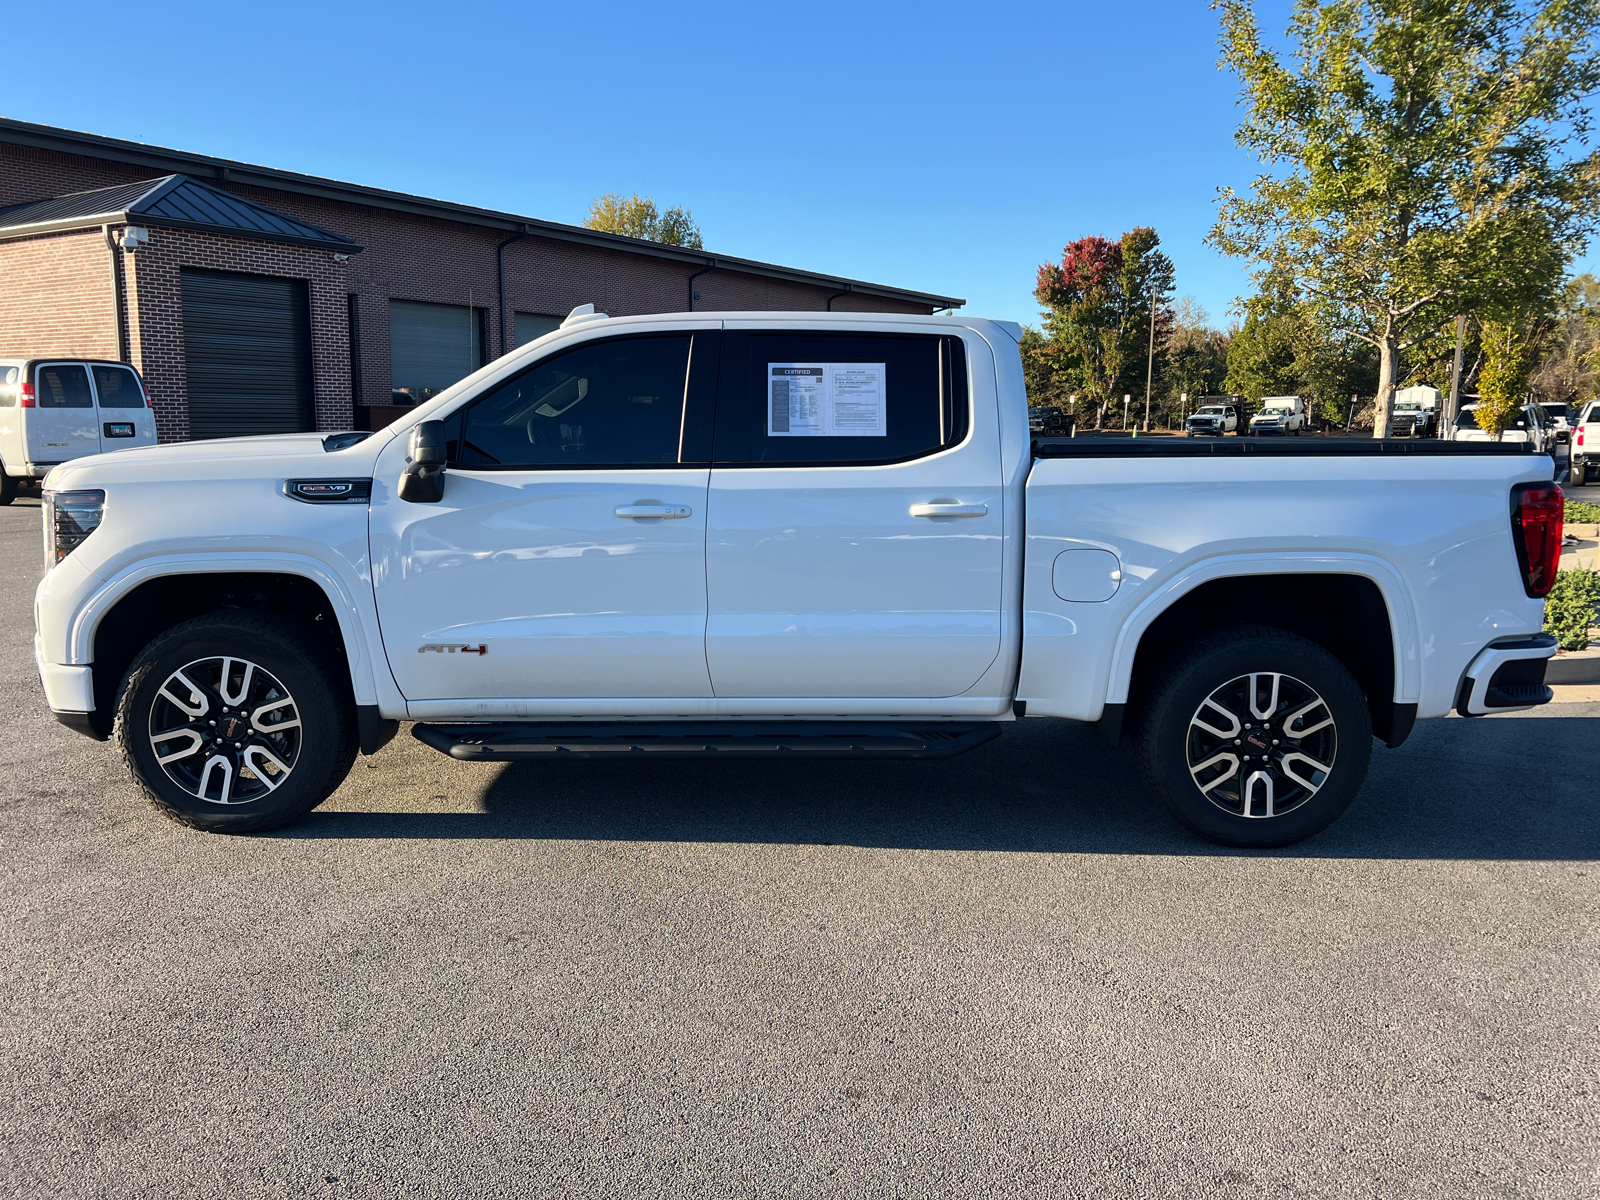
(425, 447)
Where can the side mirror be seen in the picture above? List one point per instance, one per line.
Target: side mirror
(422, 481)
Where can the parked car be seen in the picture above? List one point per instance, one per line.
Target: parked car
(782, 535)
(1213, 418)
(1586, 443)
(1529, 425)
(53, 410)
(1416, 412)
(1559, 414)
(1281, 415)
(1050, 421)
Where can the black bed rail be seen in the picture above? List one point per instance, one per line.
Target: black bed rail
(1225, 447)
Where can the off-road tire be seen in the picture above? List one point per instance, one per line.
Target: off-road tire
(277, 645)
(1166, 738)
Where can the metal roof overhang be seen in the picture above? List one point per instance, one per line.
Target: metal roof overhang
(67, 141)
(127, 217)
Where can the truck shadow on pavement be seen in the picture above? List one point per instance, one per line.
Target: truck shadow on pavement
(1499, 788)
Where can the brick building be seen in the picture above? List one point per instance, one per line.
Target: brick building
(258, 300)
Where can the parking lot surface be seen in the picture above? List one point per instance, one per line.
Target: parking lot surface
(1009, 974)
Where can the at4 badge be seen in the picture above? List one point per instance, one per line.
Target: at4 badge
(452, 649)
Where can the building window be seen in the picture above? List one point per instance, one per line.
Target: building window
(533, 326)
(431, 346)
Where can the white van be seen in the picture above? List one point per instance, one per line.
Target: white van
(56, 409)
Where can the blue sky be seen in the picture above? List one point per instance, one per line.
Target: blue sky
(948, 148)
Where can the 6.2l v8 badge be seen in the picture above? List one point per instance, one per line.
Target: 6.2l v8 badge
(452, 649)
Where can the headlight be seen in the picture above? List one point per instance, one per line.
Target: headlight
(69, 517)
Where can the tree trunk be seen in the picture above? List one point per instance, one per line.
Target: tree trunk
(1388, 361)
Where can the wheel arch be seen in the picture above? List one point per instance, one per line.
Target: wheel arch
(1356, 607)
(122, 617)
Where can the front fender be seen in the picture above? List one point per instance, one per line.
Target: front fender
(352, 606)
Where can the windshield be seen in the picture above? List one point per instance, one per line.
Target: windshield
(1204, 412)
(1467, 420)
(1408, 406)
(1556, 410)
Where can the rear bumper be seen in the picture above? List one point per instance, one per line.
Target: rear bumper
(1507, 675)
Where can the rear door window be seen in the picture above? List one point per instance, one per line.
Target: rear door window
(64, 385)
(842, 399)
(117, 387)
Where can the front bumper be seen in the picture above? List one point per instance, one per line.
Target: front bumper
(66, 688)
(1507, 675)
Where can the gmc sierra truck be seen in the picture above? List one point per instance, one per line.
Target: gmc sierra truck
(787, 535)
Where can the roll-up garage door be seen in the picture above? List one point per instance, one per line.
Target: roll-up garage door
(248, 343)
(431, 346)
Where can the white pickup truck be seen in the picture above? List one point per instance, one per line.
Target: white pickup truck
(784, 534)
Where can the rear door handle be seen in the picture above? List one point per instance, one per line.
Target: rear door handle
(658, 511)
(949, 508)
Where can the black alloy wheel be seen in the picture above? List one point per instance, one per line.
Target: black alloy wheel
(1256, 737)
(230, 722)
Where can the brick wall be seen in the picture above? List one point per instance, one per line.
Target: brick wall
(29, 174)
(155, 323)
(56, 297)
(427, 259)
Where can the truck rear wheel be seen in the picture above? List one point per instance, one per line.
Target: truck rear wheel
(1256, 737)
(230, 723)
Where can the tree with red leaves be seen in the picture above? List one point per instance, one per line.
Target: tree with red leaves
(1097, 308)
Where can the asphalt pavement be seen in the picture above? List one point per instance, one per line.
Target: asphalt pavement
(1009, 974)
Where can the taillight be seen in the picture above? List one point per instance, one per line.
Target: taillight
(1580, 435)
(26, 400)
(1536, 512)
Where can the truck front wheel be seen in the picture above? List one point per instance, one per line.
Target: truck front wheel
(1255, 738)
(230, 723)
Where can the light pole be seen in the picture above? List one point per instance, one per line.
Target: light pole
(1125, 402)
(1150, 361)
(1449, 421)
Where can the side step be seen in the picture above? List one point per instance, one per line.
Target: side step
(690, 739)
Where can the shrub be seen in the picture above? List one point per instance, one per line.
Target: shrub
(1569, 609)
(1579, 512)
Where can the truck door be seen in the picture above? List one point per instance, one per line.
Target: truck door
(125, 418)
(855, 533)
(567, 558)
(62, 424)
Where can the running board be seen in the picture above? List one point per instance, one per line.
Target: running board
(695, 739)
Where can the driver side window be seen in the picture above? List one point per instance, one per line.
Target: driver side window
(607, 404)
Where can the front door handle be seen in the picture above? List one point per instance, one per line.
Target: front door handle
(651, 509)
(949, 508)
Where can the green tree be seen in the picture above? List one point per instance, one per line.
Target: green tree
(1196, 361)
(638, 216)
(1284, 350)
(1097, 307)
(1425, 157)
(1569, 369)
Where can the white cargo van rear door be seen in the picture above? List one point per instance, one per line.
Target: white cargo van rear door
(62, 424)
(125, 418)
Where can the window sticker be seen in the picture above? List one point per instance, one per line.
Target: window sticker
(826, 400)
